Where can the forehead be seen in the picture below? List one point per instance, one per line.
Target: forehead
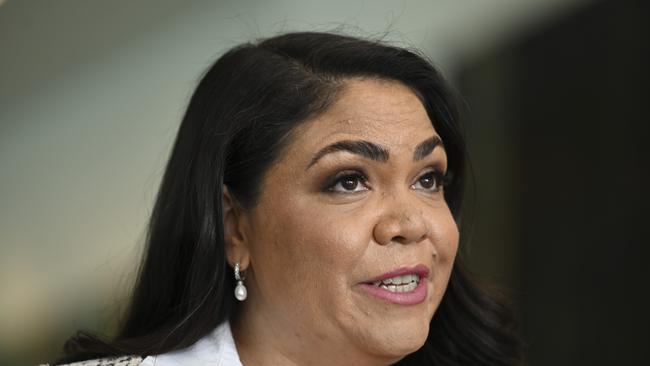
(385, 112)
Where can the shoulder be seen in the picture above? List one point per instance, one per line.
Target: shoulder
(216, 348)
(109, 361)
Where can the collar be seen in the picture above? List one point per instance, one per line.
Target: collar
(217, 348)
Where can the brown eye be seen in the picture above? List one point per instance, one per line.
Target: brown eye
(430, 181)
(347, 183)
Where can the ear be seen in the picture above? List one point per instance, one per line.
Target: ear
(234, 225)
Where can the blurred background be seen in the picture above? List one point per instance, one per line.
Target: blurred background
(92, 92)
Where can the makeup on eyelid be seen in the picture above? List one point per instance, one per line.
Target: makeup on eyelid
(351, 175)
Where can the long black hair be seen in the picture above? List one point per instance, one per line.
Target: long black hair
(239, 118)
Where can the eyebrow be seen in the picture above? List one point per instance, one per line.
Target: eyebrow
(425, 147)
(373, 151)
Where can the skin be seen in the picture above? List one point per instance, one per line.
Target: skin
(306, 250)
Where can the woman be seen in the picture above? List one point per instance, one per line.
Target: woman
(309, 214)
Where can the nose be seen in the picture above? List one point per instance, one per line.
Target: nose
(402, 223)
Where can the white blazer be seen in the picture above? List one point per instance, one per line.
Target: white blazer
(217, 348)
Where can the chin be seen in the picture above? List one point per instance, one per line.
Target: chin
(398, 340)
(408, 345)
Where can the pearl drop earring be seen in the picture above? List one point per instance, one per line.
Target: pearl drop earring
(240, 290)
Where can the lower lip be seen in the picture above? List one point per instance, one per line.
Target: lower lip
(401, 298)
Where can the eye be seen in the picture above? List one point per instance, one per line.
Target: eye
(346, 182)
(431, 181)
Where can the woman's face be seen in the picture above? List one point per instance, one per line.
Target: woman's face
(355, 199)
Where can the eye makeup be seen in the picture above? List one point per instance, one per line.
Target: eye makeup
(347, 178)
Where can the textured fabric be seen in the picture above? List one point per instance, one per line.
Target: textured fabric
(109, 361)
(215, 349)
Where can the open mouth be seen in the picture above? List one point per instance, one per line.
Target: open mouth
(403, 286)
(404, 283)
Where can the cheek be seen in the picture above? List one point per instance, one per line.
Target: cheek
(446, 247)
(451, 239)
(445, 234)
(307, 247)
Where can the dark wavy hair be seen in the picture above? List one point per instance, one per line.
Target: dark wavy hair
(239, 118)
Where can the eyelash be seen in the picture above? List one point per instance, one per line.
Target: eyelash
(440, 180)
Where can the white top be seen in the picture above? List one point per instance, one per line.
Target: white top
(215, 349)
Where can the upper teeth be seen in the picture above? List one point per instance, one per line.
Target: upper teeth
(399, 280)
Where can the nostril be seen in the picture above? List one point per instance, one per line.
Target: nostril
(399, 239)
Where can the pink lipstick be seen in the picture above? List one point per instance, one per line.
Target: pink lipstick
(403, 286)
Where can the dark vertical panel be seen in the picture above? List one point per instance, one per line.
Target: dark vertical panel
(574, 110)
